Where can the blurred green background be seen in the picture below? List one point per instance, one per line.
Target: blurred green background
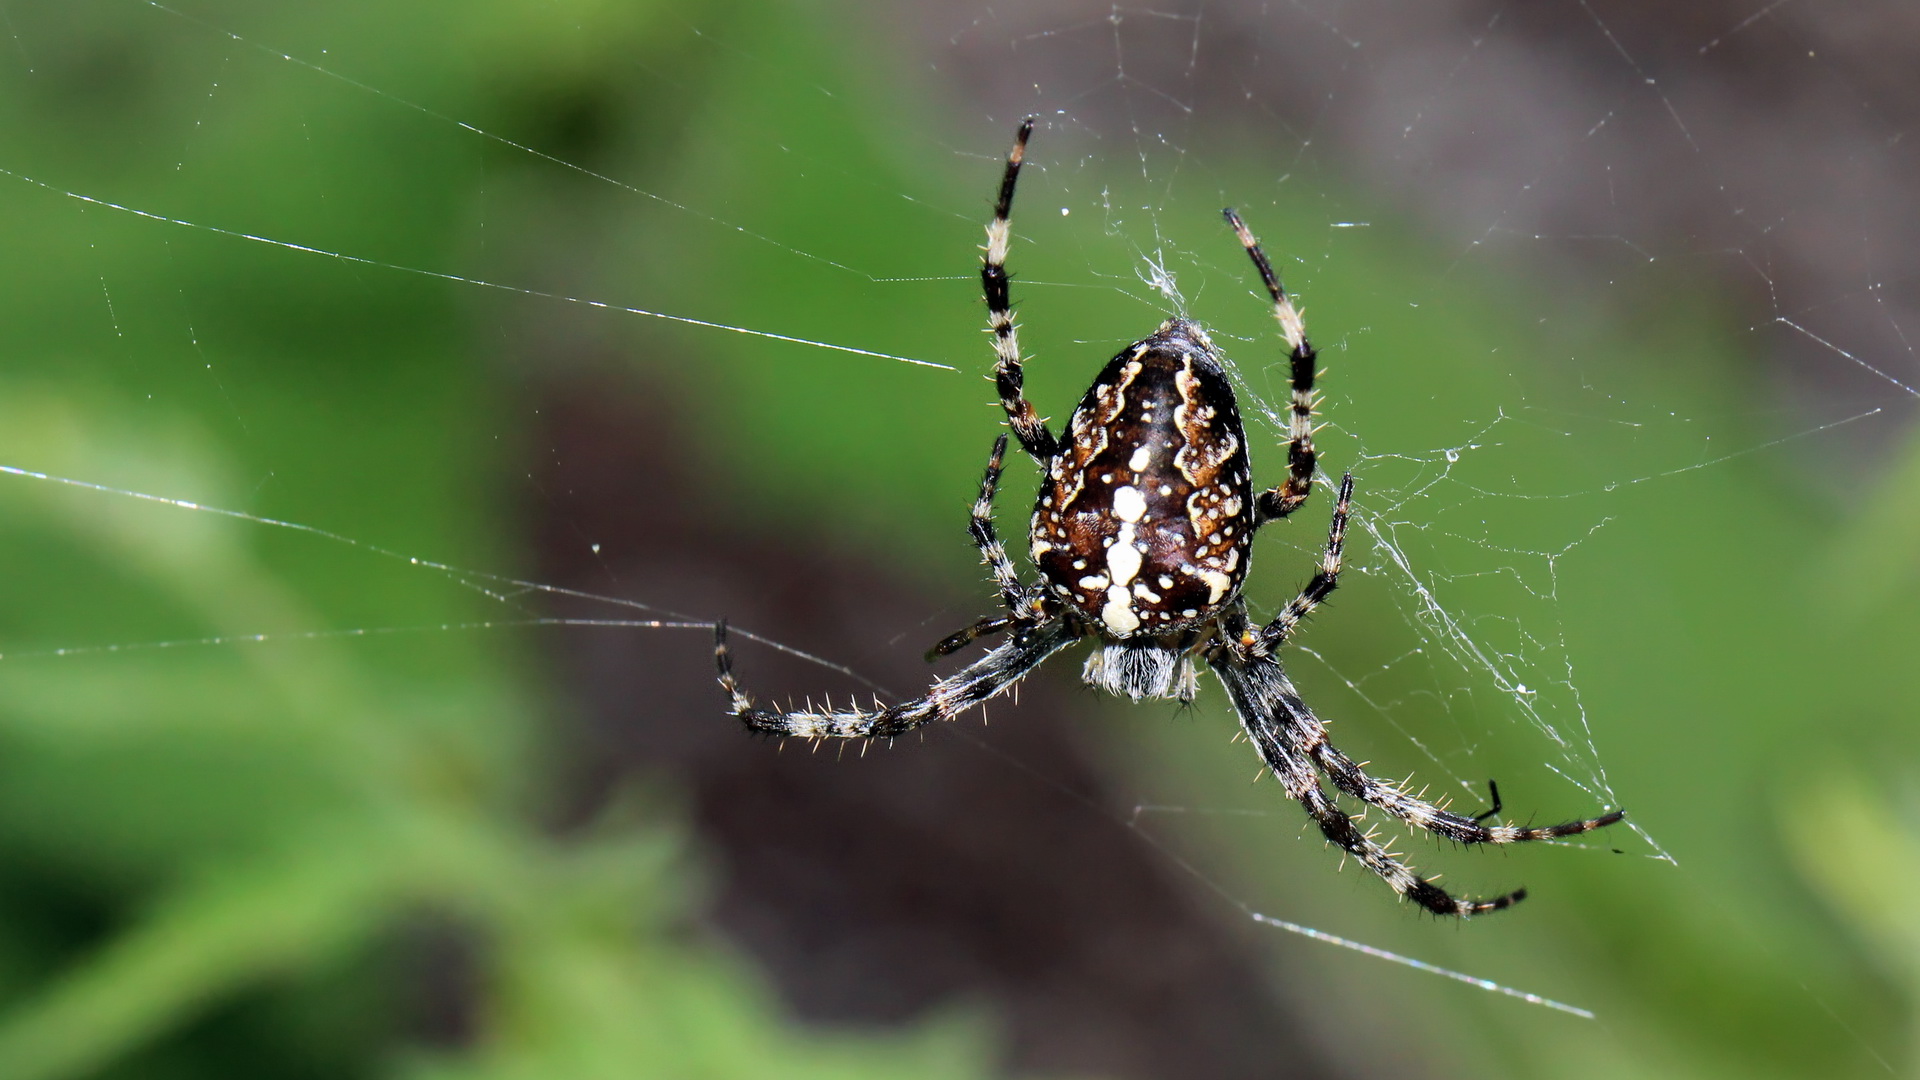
(238, 858)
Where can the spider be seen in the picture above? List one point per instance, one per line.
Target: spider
(1141, 533)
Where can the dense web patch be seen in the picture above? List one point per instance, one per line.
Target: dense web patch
(1609, 187)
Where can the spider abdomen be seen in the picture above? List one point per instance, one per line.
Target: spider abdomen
(1143, 519)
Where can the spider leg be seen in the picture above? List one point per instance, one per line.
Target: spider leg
(1309, 734)
(1325, 577)
(1350, 778)
(1345, 774)
(1266, 704)
(1024, 604)
(951, 696)
(1026, 423)
(1019, 598)
(1286, 496)
(960, 639)
(1493, 792)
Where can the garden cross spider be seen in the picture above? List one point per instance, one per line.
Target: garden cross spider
(1141, 534)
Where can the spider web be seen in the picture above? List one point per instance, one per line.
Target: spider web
(1402, 169)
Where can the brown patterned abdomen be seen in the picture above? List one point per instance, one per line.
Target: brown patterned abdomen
(1143, 518)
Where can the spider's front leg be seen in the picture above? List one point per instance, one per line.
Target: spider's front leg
(1286, 496)
(1007, 376)
(951, 696)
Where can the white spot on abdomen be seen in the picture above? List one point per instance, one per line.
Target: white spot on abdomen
(1128, 504)
(1217, 583)
(1123, 559)
(1118, 614)
(1141, 459)
(1123, 562)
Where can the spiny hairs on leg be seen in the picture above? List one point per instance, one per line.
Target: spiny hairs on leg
(1021, 415)
(1337, 827)
(1311, 735)
(1325, 576)
(1395, 800)
(1024, 604)
(1286, 497)
(993, 553)
(1255, 688)
(949, 697)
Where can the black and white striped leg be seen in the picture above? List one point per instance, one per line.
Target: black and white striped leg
(1395, 800)
(951, 696)
(1018, 598)
(1287, 496)
(1310, 735)
(1027, 425)
(1265, 701)
(1024, 603)
(1325, 578)
(960, 639)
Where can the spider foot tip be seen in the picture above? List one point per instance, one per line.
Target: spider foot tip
(1498, 902)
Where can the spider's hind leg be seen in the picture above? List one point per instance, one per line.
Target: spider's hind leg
(1345, 774)
(1270, 714)
(1350, 778)
(1311, 735)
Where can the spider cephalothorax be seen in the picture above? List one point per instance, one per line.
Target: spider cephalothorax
(1142, 532)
